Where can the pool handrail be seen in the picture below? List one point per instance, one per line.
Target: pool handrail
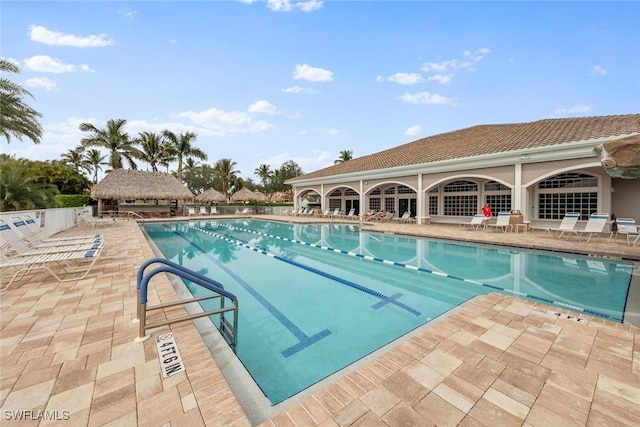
(196, 278)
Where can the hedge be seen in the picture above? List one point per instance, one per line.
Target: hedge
(72, 200)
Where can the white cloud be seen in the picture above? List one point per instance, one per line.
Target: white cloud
(129, 13)
(264, 107)
(403, 78)
(441, 78)
(40, 34)
(173, 42)
(427, 98)
(47, 64)
(576, 109)
(413, 130)
(597, 69)
(43, 82)
(317, 159)
(313, 74)
(217, 122)
(446, 69)
(288, 5)
(301, 90)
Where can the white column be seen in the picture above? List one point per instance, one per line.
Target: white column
(517, 189)
(419, 206)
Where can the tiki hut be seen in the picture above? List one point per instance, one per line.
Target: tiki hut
(245, 195)
(145, 193)
(211, 196)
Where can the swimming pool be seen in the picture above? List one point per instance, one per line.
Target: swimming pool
(315, 298)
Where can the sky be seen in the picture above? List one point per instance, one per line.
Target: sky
(264, 82)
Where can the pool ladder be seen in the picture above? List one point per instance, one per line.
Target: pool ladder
(228, 329)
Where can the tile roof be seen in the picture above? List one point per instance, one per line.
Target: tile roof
(486, 139)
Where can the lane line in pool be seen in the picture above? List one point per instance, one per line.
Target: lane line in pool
(421, 269)
(349, 283)
(304, 340)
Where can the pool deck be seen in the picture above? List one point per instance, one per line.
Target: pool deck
(67, 351)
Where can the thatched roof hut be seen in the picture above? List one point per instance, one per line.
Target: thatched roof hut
(244, 195)
(211, 196)
(130, 184)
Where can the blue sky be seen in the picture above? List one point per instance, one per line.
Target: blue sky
(271, 81)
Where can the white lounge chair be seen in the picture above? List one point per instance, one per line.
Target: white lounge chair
(351, 214)
(476, 222)
(203, 210)
(74, 265)
(35, 240)
(14, 245)
(502, 222)
(626, 227)
(191, 211)
(214, 211)
(569, 221)
(245, 211)
(406, 217)
(595, 226)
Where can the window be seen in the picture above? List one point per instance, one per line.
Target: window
(390, 204)
(390, 190)
(335, 204)
(433, 205)
(375, 192)
(350, 192)
(336, 193)
(567, 192)
(403, 189)
(374, 203)
(498, 196)
(461, 205)
(460, 186)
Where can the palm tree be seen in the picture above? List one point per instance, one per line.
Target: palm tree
(17, 118)
(263, 172)
(182, 147)
(225, 169)
(18, 191)
(345, 155)
(94, 160)
(115, 140)
(153, 150)
(75, 158)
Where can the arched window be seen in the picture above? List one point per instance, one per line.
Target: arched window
(567, 192)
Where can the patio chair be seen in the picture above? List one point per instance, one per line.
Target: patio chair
(191, 211)
(404, 218)
(15, 246)
(595, 226)
(214, 211)
(74, 265)
(475, 223)
(351, 214)
(569, 221)
(326, 213)
(335, 213)
(502, 222)
(35, 240)
(626, 227)
(203, 210)
(245, 211)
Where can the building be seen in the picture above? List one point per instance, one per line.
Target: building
(542, 169)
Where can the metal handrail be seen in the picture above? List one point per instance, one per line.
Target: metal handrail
(131, 214)
(143, 279)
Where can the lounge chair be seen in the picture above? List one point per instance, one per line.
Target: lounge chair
(203, 210)
(191, 211)
(335, 213)
(502, 222)
(476, 222)
(595, 226)
(626, 227)
(75, 264)
(214, 211)
(36, 234)
(405, 218)
(569, 221)
(14, 246)
(35, 240)
(350, 215)
(245, 211)
(326, 213)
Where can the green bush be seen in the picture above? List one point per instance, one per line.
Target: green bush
(72, 200)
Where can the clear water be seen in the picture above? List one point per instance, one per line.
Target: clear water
(315, 298)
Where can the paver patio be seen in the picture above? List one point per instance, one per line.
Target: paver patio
(67, 351)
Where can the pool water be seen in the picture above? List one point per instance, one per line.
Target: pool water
(314, 298)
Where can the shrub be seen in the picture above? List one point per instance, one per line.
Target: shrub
(72, 200)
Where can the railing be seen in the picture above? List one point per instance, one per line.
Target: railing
(228, 330)
(132, 214)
